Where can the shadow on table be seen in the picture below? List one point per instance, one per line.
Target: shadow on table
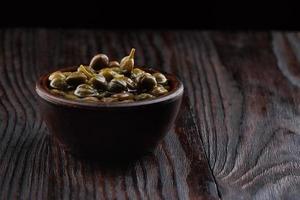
(106, 163)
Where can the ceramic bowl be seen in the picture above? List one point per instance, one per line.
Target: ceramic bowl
(109, 130)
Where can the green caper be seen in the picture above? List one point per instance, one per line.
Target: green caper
(108, 99)
(167, 87)
(67, 73)
(127, 63)
(127, 101)
(117, 85)
(85, 90)
(118, 70)
(91, 99)
(159, 90)
(143, 96)
(123, 96)
(146, 81)
(136, 72)
(57, 74)
(99, 61)
(108, 73)
(160, 78)
(98, 82)
(103, 94)
(59, 83)
(76, 78)
(57, 92)
(114, 64)
(130, 83)
(86, 71)
(71, 96)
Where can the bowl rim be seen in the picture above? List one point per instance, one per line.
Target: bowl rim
(43, 92)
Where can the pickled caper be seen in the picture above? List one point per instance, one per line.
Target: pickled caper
(86, 70)
(114, 64)
(57, 92)
(127, 101)
(57, 74)
(130, 83)
(117, 85)
(160, 78)
(136, 72)
(71, 96)
(159, 90)
(103, 94)
(85, 90)
(143, 96)
(99, 61)
(98, 82)
(76, 78)
(127, 63)
(109, 100)
(108, 73)
(123, 96)
(146, 81)
(67, 73)
(59, 83)
(118, 70)
(91, 99)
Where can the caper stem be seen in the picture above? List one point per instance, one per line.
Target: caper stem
(131, 55)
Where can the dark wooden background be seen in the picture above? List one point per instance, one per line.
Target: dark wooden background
(244, 98)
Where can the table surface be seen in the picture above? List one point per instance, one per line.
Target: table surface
(236, 137)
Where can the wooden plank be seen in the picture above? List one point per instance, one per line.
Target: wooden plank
(252, 107)
(33, 167)
(243, 88)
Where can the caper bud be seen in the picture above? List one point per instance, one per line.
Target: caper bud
(98, 82)
(123, 96)
(159, 90)
(127, 101)
(67, 73)
(130, 83)
(57, 92)
(160, 78)
(99, 61)
(59, 83)
(85, 90)
(114, 64)
(86, 71)
(103, 94)
(118, 70)
(146, 82)
(76, 78)
(71, 96)
(108, 73)
(91, 99)
(127, 63)
(109, 99)
(136, 72)
(167, 87)
(117, 85)
(143, 96)
(57, 74)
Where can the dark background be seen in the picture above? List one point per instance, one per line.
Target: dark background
(151, 15)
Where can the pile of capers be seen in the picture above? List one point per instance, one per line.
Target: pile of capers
(109, 81)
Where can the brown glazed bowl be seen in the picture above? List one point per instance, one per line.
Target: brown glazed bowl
(109, 130)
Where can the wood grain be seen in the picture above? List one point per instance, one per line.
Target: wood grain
(31, 164)
(244, 93)
(261, 109)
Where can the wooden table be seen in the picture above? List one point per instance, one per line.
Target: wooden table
(237, 135)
